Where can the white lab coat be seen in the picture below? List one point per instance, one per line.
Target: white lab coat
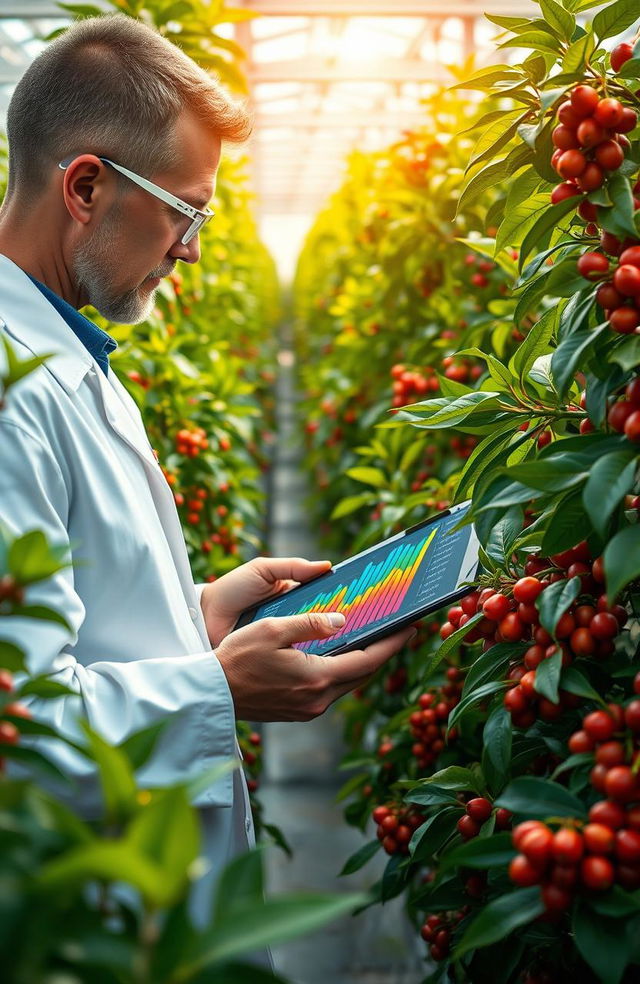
(75, 462)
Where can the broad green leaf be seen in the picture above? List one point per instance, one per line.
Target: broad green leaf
(567, 515)
(529, 796)
(370, 476)
(498, 372)
(32, 559)
(349, 505)
(535, 344)
(618, 219)
(572, 680)
(496, 748)
(116, 776)
(548, 677)
(622, 560)
(11, 658)
(139, 747)
(474, 697)
(537, 40)
(578, 53)
(503, 535)
(481, 852)
(454, 777)
(433, 834)
(33, 760)
(538, 233)
(556, 473)
(518, 220)
(360, 858)
(448, 644)
(44, 688)
(611, 478)
(571, 355)
(593, 935)
(241, 884)
(615, 18)
(273, 921)
(556, 599)
(497, 135)
(441, 413)
(627, 355)
(491, 665)
(110, 861)
(500, 917)
(167, 832)
(558, 18)
(494, 449)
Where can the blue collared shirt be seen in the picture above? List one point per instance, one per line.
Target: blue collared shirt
(94, 339)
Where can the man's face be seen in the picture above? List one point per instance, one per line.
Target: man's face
(120, 264)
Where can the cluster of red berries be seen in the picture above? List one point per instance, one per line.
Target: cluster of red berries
(428, 724)
(191, 442)
(437, 930)
(137, 377)
(624, 414)
(618, 294)
(410, 385)
(481, 268)
(461, 370)
(590, 141)
(477, 811)
(396, 824)
(9, 732)
(194, 504)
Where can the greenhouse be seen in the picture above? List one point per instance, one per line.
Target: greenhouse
(320, 492)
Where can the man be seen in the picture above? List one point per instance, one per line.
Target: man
(106, 109)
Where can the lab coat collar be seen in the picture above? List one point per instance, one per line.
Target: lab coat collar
(31, 319)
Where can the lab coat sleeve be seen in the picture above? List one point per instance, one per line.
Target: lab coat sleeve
(117, 698)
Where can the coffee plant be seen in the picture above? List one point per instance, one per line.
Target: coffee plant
(497, 758)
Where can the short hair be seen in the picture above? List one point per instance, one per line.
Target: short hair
(113, 87)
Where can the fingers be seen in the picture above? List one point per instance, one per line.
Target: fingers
(282, 632)
(298, 569)
(350, 667)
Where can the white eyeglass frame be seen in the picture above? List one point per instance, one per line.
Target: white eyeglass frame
(199, 217)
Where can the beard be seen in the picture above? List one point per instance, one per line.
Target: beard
(92, 264)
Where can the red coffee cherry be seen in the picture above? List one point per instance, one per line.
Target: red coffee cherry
(479, 809)
(584, 100)
(522, 829)
(626, 280)
(608, 813)
(604, 625)
(564, 139)
(592, 265)
(568, 116)
(597, 872)
(624, 320)
(609, 155)
(523, 873)
(511, 628)
(590, 133)
(567, 846)
(572, 163)
(598, 838)
(609, 113)
(628, 846)
(608, 297)
(580, 742)
(632, 426)
(599, 725)
(620, 54)
(496, 607)
(537, 845)
(629, 120)
(620, 784)
(591, 178)
(468, 827)
(632, 716)
(564, 191)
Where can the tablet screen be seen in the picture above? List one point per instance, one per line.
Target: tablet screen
(409, 574)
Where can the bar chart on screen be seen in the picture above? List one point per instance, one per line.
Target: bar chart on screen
(377, 593)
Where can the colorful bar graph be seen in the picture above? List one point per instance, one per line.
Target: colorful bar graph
(377, 593)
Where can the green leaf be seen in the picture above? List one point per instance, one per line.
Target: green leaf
(110, 861)
(567, 515)
(31, 559)
(496, 748)
(361, 857)
(503, 535)
(441, 413)
(490, 665)
(519, 219)
(558, 18)
(370, 476)
(17, 369)
(473, 697)
(449, 643)
(556, 473)
(497, 370)
(615, 18)
(11, 658)
(618, 219)
(40, 612)
(241, 884)
(430, 837)
(454, 777)
(535, 344)
(548, 677)
(578, 53)
(610, 480)
(167, 832)
(537, 235)
(116, 775)
(537, 40)
(497, 135)
(571, 355)
(572, 680)
(627, 355)
(32, 759)
(46, 689)
(529, 796)
(500, 917)
(139, 747)
(481, 852)
(594, 934)
(271, 922)
(349, 505)
(622, 560)
(556, 599)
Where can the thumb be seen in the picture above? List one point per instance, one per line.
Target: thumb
(310, 625)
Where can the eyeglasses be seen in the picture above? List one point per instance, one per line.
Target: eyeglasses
(199, 217)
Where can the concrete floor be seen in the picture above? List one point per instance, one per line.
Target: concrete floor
(301, 780)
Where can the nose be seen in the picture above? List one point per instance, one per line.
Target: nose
(189, 253)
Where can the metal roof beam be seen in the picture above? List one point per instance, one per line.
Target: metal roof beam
(383, 8)
(316, 69)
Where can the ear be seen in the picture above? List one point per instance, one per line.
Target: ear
(84, 187)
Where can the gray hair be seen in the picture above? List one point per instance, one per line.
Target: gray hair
(113, 87)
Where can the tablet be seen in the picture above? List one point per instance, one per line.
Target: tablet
(386, 586)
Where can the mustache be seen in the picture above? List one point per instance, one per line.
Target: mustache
(161, 272)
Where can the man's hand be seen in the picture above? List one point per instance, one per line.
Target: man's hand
(224, 600)
(271, 681)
